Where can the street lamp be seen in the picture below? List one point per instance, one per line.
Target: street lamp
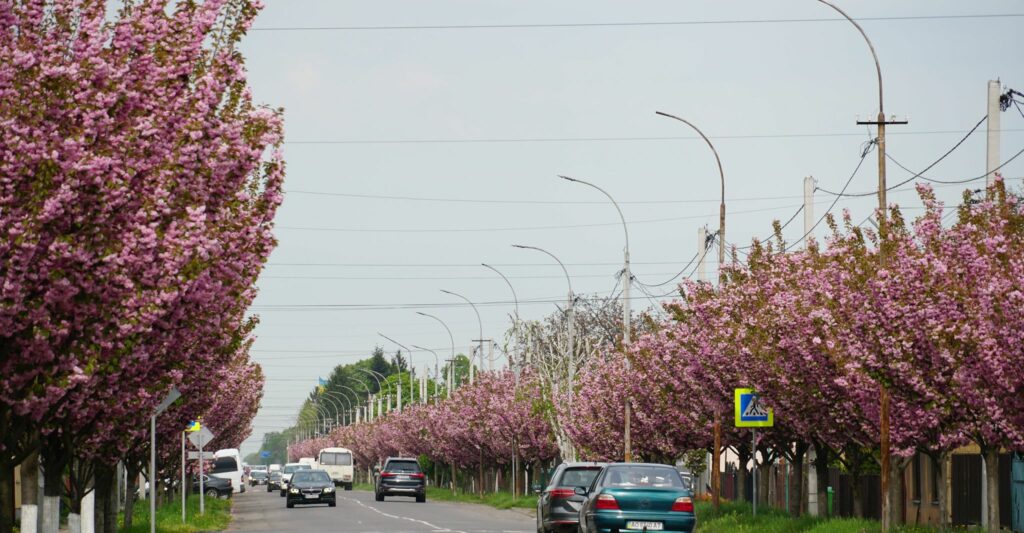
(716, 453)
(515, 319)
(451, 369)
(883, 230)
(412, 395)
(480, 339)
(570, 311)
(380, 387)
(437, 367)
(627, 280)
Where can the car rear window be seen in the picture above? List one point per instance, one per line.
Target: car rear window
(578, 477)
(336, 459)
(303, 477)
(224, 465)
(642, 476)
(403, 466)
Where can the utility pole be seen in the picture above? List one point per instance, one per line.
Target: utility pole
(702, 253)
(809, 186)
(992, 160)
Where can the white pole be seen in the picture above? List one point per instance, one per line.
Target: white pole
(753, 465)
(809, 185)
(183, 459)
(992, 160)
(88, 514)
(202, 488)
(152, 474)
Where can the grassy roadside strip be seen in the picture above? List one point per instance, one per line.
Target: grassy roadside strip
(500, 500)
(168, 517)
(737, 518)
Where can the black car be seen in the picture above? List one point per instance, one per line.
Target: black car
(257, 477)
(213, 487)
(558, 505)
(311, 486)
(401, 476)
(274, 481)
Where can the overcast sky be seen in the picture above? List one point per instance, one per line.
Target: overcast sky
(470, 126)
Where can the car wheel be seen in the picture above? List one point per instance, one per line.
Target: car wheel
(332, 504)
(348, 486)
(282, 494)
(268, 489)
(211, 493)
(289, 505)
(421, 498)
(379, 496)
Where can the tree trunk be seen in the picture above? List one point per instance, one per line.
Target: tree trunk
(30, 493)
(129, 497)
(796, 479)
(992, 480)
(53, 487)
(943, 485)
(897, 488)
(821, 453)
(6, 493)
(763, 482)
(741, 474)
(104, 485)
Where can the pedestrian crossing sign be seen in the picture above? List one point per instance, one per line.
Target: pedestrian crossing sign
(750, 411)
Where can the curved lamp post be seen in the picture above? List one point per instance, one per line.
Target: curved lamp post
(627, 280)
(515, 319)
(716, 453)
(380, 387)
(883, 230)
(451, 368)
(479, 339)
(437, 367)
(412, 395)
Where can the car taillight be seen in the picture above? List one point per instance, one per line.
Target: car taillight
(417, 475)
(563, 493)
(606, 502)
(683, 505)
(386, 474)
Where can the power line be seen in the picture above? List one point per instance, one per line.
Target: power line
(461, 265)
(500, 140)
(447, 278)
(526, 202)
(629, 24)
(518, 228)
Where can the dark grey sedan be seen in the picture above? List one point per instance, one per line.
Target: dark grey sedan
(558, 505)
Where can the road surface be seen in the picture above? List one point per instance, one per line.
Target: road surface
(358, 512)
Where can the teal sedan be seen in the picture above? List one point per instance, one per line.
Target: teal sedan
(637, 497)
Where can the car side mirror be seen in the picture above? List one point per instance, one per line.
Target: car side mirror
(536, 488)
(580, 491)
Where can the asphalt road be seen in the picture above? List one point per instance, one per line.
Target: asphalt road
(358, 512)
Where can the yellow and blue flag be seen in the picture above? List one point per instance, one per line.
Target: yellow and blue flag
(322, 386)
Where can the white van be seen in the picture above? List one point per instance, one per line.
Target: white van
(227, 464)
(311, 461)
(338, 463)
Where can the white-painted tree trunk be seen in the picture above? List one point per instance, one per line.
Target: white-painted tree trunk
(50, 515)
(89, 512)
(29, 519)
(74, 523)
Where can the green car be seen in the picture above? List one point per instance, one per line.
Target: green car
(637, 497)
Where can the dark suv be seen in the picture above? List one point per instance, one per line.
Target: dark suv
(558, 507)
(401, 476)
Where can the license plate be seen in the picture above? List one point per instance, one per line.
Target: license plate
(402, 478)
(311, 496)
(651, 526)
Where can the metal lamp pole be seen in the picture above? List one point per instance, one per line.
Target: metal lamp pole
(514, 364)
(716, 453)
(480, 339)
(412, 394)
(883, 230)
(451, 369)
(571, 311)
(627, 280)
(437, 366)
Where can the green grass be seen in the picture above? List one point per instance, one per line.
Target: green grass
(168, 517)
(737, 517)
(499, 500)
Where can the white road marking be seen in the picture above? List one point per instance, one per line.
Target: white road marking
(397, 517)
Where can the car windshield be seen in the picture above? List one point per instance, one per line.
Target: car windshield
(336, 458)
(403, 466)
(642, 476)
(311, 476)
(275, 475)
(292, 468)
(579, 477)
(259, 474)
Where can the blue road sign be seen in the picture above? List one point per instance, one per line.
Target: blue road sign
(264, 454)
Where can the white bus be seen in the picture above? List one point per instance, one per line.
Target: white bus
(227, 464)
(339, 464)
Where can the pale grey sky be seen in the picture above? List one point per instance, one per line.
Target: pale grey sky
(778, 99)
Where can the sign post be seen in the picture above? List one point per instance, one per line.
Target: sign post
(172, 395)
(197, 438)
(751, 414)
